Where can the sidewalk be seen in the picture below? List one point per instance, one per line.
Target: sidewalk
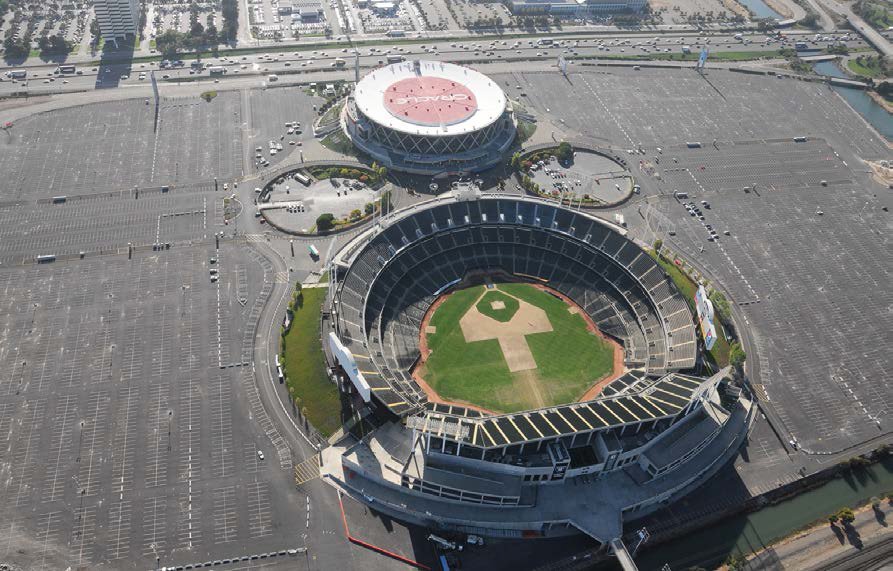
(815, 547)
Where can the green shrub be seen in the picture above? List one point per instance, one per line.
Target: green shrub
(325, 221)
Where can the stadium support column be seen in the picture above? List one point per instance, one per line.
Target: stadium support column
(356, 66)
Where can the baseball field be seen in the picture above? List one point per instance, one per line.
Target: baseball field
(511, 347)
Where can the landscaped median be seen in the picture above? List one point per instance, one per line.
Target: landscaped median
(580, 176)
(315, 398)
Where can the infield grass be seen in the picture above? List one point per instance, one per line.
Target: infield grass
(569, 359)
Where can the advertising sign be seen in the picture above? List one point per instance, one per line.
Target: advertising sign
(705, 317)
(702, 59)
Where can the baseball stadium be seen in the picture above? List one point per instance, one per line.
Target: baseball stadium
(504, 345)
(427, 118)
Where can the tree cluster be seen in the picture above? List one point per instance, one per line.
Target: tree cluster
(172, 42)
(55, 44)
(14, 48)
(230, 9)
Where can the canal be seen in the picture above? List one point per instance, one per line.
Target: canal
(859, 100)
(747, 533)
(760, 9)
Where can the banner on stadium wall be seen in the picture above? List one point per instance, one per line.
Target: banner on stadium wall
(708, 331)
(705, 317)
(349, 364)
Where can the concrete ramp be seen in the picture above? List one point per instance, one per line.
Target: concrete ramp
(623, 556)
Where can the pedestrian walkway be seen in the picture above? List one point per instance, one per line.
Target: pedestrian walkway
(307, 470)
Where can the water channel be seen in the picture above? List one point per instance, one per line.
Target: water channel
(750, 532)
(760, 9)
(859, 100)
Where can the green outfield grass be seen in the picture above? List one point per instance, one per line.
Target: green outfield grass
(569, 358)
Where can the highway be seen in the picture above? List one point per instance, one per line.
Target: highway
(298, 63)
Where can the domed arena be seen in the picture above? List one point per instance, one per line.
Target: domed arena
(430, 118)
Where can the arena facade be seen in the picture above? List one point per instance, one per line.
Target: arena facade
(652, 435)
(429, 118)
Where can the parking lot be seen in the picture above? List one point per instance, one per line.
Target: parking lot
(660, 108)
(112, 146)
(321, 196)
(590, 177)
(807, 260)
(122, 404)
(271, 109)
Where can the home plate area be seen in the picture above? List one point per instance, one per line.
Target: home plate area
(528, 319)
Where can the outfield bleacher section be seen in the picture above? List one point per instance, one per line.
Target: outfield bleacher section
(393, 278)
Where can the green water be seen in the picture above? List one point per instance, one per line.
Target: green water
(859, 100)
(751, 532)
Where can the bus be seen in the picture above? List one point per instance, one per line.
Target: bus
(314, 253)
(395, 59)
(65, 69)
(216, 70)
(17, 74)
(301, 178)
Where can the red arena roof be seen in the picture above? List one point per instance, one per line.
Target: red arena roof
(426, 100)
(430, 98)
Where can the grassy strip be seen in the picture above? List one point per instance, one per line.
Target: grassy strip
(859, 68)
(305, 366)
(719, 355)
(525, 130)
(714, 56)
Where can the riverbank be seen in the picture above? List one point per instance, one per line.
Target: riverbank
(782, 8)
(765, 521)
(824, 542)
(879, 99)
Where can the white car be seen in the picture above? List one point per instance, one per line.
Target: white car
(260, 455)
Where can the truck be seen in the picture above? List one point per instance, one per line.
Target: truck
(545, 41)
(395, 59)
(17, 74)
(65, 69)
(339, 63)
(314, 253)
(686, 49)
(217, 70)
(801, 46)
(396, 33)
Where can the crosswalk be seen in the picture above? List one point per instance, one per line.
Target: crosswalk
(307, 470)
